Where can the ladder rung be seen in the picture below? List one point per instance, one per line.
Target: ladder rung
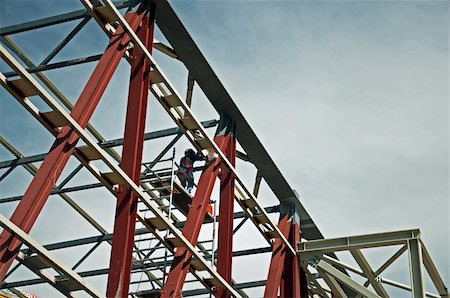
(198, 265)
(89, 153)
(249, 203)
(69, 284)
(37, 262)
(105, 14)
(54, 119)
(113, 178)
(164, 187)
(155, 77)
(171, 100)
(212, 282)
(271, 234)
(157, 223)
(175, 242)
(204, 143)
(22, 87)
(189, 123)
(260, 218)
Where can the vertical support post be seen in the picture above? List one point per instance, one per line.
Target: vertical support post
(290, 286)
(194, 221)
(226, 210)
(190, 89)
(415, 268)
(289, 277)
(278, 258)
(126, 208)
(303, 283)
(51, 168)
(257, 184)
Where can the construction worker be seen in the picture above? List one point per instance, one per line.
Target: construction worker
(185, 172)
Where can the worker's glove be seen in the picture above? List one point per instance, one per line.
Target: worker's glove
(211, 155)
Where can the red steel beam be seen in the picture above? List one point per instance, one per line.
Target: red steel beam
(278, 256)
(38, 191)
(126, 208)
(194, 221)
(226, 212)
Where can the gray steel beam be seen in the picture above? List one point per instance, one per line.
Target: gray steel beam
(65, 41)
(54, 20)
(407, 288)
(323, 266)
(135, 267)
(106, 144)
(56, 65)
(201, 71)
(162, 153)
(107, 237)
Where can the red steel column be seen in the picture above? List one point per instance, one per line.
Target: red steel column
(278, 257)
(290, 286)
(226, 215)
(194, 221)
(303, 284)
(126, 209)
(38, 191)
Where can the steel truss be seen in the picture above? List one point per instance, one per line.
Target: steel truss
(164, 246)
(314, 254)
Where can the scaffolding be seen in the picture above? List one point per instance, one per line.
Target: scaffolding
(155, 247)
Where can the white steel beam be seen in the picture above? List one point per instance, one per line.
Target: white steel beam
(406, 287)
(433, 273)
(415, 268)
(335, 287)
(48, 257)
(389, 262)
(357, 242)
(323, 266)
(368, 272)
(335, 262)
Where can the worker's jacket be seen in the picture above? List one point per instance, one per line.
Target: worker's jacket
(187, 162)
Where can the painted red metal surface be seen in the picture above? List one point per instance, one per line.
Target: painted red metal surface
(303, 284)
(290, 285)
(126, 208)
(226, 211)
(38, 191)
(194, 221)
(279, 252)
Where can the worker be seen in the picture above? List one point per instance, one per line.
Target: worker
(185, 172)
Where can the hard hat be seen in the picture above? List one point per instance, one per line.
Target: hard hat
(189, 152)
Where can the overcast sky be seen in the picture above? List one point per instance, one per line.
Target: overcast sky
(349, 98)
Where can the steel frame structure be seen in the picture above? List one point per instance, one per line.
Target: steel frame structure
(308, 263)
(314, 254)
